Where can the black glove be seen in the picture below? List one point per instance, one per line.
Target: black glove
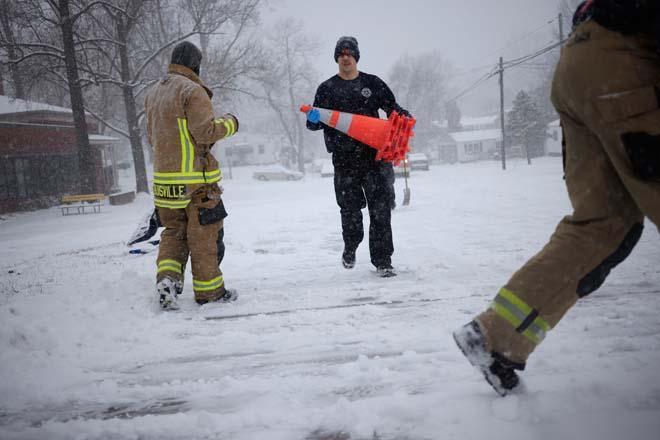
(404, 112)
(209, 216)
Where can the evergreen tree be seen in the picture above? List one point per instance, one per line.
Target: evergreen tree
(525, 126)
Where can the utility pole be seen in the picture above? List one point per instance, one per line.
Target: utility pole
(561, 27)
(502, 112)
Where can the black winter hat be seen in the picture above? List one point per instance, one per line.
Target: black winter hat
(188, 55)
(350, 44)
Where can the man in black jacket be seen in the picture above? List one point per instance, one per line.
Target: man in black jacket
(360, 180)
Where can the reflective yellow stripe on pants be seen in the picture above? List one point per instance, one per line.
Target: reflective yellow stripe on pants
(171, 266)
(207, 286)
(516, 312)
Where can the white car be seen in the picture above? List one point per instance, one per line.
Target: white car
(276, 172)
(418, 161)
(327, 170)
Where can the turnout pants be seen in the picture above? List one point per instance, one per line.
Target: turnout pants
(606, 90)
(183, 236)
(369, 187)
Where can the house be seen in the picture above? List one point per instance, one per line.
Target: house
(477, 138)
(247, 148)
(443, 148)
(553, 141)
(476, 144)
(472, 123)
(39, 155)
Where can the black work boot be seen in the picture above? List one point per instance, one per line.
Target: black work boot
(348, 258)
(224, 296)
(386, 271)
(168, 290)
(498, 370)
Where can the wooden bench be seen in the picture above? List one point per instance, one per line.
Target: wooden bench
(82, 203)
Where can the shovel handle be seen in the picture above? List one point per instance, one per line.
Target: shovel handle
(405, 173)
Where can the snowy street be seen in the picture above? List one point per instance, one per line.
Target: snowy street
(310, 350)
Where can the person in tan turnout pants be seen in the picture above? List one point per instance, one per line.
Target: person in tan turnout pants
(606, 90)
(182, 128)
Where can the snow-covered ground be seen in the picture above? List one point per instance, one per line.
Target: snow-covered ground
(311, 350)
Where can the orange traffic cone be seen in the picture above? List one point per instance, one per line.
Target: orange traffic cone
(389, 136)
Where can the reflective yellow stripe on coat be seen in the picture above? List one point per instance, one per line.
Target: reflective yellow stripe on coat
(229, 124)
(187, 175)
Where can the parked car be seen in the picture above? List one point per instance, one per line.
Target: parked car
(401, 170)
(327, 170)
(276, 172)
(418, 161)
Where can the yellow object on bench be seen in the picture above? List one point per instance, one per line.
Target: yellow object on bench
(82, 201)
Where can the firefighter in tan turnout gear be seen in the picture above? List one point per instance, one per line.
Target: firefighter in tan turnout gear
(606, 90)
(182, 129)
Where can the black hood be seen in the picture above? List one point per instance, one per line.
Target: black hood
(188, 55)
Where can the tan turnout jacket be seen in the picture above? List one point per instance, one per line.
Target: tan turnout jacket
(182, 128)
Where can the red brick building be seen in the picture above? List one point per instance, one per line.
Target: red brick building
(38, 155)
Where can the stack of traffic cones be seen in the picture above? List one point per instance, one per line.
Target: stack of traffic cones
(389, 136)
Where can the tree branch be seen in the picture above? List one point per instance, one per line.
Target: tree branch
(32, 55)
(150, 58)
(107, 124)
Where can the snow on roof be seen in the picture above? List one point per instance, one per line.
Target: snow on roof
(101, 139)
(477, 135)
(11, 105)
(467, 121)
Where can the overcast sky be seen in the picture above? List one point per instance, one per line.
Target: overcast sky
(471, 34)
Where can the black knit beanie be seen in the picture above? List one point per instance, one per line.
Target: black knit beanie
(350, 44)
(188, 55)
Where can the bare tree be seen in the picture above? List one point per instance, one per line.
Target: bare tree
(210, 15)
(137, 34)
(236, 55)
(123, 46)
(66, 21)
(290, 80)
(116, 26)
(420, 85)
(49, 40)
(39, 75)
(9, 36)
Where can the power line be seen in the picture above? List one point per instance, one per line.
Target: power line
(461, 72)
(512, 63)
(477, 83)
(495, 70)
(523, 37)
(508, 65)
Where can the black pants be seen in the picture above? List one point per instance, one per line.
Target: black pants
(356, 188)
